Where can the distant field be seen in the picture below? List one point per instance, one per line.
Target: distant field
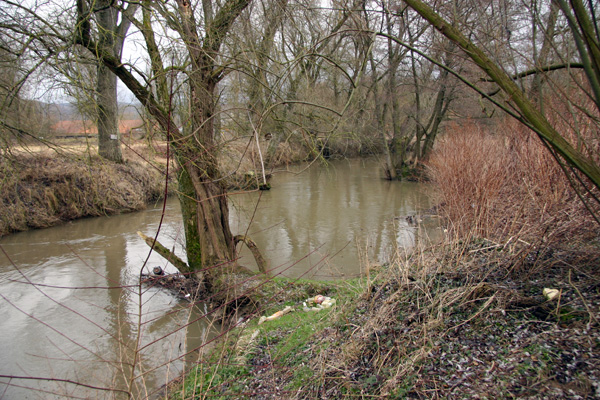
(134, 150)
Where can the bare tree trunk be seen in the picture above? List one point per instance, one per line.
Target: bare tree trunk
(205, 212)
(419, 131)
(108, 130)
(109, 145)
(541, 60)
(394, 58)
(440, 108)
(203, 195)
(380, 111)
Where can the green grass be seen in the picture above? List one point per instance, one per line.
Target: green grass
(284, 344)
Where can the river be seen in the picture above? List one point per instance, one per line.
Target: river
(72, 308)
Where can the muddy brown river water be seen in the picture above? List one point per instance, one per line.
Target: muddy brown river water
(71, 308)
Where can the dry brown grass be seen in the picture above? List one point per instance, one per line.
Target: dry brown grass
(438, 323)
(38, 190)
(442, 324)
(46, 184)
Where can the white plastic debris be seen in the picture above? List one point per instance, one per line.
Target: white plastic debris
(317, 303)
(550, 294)
(278, 314)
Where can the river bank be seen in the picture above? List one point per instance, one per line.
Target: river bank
(454, 321)
(40, 191)
(45, 186)
(507, 305)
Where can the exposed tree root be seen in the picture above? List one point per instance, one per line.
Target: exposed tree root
(170, 256)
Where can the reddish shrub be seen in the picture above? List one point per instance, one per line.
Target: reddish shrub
(506, 186)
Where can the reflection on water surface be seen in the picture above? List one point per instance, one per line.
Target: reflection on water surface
(72, 310)
(316, 224)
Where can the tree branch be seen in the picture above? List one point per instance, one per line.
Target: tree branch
(537, 70)
(218, 27)
(166, 253)
(260, 261)
(140, 92)
(530, 113)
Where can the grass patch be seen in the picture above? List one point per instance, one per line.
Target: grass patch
(254, 359)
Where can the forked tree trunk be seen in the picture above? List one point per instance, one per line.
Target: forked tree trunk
(203, 195)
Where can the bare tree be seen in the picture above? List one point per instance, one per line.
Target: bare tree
(21, 119)
(410, 98)
(111, 36)
(202, 192)
(582, 27)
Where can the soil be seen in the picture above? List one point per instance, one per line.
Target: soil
(179, 286)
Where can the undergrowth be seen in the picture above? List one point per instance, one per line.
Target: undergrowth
(452, 321)
(505, 186)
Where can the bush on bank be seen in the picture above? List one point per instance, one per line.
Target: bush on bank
(505, 186)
